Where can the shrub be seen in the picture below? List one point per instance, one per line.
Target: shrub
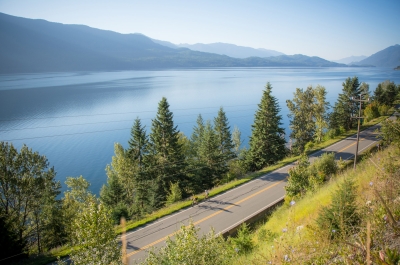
(298, 181)
(190, 248)
(383, 110)
(371, 111)
(243, 242)
(175, 193)
(341, 216)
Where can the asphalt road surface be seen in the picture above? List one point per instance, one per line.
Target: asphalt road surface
(231, 208)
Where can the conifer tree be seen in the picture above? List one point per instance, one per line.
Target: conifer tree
(168, 158)
(345, 108)
(138, 152)
(210, 157)
(224, 137)
(197, 136)
(267, 142)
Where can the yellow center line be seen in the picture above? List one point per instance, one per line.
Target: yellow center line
(205, 218)
(362, 139)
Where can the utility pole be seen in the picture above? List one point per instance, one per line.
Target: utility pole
(358, 128)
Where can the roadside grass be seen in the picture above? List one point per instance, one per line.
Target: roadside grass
(178, 206)
(290, 228)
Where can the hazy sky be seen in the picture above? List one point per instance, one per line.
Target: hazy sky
(329, 29)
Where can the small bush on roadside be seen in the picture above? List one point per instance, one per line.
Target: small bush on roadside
(341, 217)
(243, 242)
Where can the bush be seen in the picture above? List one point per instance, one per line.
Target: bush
(243, 242)
(175, 193)
(383, 110)
(341, 216)
(119, 211)
(189, 248)
(298, 181)
(371, 111)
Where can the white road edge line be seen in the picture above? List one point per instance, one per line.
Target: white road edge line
(248, 217)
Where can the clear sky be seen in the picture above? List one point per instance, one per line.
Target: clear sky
(329, 29)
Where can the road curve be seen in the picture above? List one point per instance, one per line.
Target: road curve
(234, 206)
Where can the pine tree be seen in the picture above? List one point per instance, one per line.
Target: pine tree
(267, 142)
(224, 137)
(168, 158)
(210, 158)
(385, 93)
(197, 136)
(138, 152)
(345, 108)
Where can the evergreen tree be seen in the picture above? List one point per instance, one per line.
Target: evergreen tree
(345, 107)
(168, 158)
(212, 164)
(224, 137)
(267, 142)
(139, 154)
(197, 136)
(385, 93)
(302, 114)
(113, 196)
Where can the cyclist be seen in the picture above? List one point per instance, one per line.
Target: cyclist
(206, 194)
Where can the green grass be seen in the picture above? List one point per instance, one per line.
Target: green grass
(130, 225)
(304, 213)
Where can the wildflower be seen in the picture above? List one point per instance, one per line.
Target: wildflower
(292, 203)
(333, 231)
(237, 250)
(284, 230)
(286, 258)
(371, 183)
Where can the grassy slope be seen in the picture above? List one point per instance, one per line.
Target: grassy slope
(301, 233)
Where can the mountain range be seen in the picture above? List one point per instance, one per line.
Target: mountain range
(389, 57)
(227, 49)
(351, 59)
(34, 45)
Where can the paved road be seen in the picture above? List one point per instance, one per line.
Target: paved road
(233, 207)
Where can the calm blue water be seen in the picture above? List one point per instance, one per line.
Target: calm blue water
(75, 118)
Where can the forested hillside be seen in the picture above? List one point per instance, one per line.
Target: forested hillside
(32, 45)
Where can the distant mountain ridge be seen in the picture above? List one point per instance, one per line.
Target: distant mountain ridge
(389, 57)
(34, 45)
(351, 59)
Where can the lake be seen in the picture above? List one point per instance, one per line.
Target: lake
(75, 118)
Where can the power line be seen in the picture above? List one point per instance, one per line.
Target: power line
(100, 122)
(118, 113)
(129, 112)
